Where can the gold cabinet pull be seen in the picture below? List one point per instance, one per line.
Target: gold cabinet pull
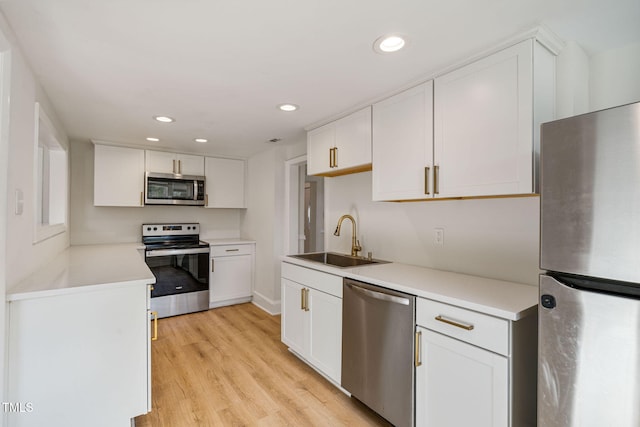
(335, 157)
(174, 165)
(141, 198)
(154, 337)
(206, 200)
(302, 299)
(426, 180)
(330, 157)
(453, 323)
(151, 287)
(436, 178)
(213, 265)
(418, 346)
(306, 300)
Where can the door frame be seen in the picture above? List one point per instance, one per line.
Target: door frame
(292, 202)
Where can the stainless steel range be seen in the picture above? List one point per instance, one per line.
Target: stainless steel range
(180, 261)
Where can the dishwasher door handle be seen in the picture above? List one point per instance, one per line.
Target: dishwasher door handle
(379, 295)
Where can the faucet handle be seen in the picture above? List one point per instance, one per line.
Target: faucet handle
(357, 248)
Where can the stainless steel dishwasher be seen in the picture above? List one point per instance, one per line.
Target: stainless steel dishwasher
(378, 330)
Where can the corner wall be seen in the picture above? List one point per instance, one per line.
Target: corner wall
(615, 77)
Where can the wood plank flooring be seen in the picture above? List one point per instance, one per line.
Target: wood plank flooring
(228, 367)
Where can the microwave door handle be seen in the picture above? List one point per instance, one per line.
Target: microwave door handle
(195, 189)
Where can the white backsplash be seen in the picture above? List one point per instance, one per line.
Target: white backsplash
(496, 238)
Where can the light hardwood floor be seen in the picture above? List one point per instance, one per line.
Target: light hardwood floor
(228, 367)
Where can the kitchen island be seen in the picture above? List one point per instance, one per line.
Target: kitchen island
(79, 339)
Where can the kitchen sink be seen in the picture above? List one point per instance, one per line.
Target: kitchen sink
(337, 260)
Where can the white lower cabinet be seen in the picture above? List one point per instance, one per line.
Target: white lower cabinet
(80, 359)
(231, 277)
(473, 369)
(312, 318)
(458, 384)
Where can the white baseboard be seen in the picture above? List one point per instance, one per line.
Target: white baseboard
(232, 301)
(270, 306)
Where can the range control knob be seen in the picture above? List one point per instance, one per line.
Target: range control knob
(155, 228)
(148, 228)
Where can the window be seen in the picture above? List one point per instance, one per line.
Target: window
(51, 172)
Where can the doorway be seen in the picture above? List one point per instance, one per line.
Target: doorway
(312, 208)
(304, 209)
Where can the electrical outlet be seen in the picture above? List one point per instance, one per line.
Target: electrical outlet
(438, 236)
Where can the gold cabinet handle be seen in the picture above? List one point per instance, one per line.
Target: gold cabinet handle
(454, 323)
(180, 166)
(418, 346)
(151, 287)
(426, 180)
(141, 198)
(206, 200)
(436, 177)
(330, 157)
(213, 265)
(154, 337)
(306, 300)
(174, 165)
(335, 157)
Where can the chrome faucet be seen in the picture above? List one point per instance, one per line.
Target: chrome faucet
(355, 244)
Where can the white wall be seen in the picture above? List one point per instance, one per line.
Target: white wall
(94, 225)
(495, 238)
(615, 77)
(24, 256)
(264, 220)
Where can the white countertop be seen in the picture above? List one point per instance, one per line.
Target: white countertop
(223, 242)
(507, 300)
(86, 268)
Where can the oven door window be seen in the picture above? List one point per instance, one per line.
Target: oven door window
(170, 189)
(178, 274)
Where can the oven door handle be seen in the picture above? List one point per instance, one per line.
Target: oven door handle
(168, 252)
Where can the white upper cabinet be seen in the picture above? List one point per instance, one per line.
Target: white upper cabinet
(342, 146)
(164, 162)
(473, 132)
(224, 183)
(486, 113)
(403, 145)
(118, 176)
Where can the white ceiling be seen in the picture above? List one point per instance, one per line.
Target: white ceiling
(221, 67)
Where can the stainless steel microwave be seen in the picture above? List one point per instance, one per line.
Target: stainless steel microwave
(170, 189)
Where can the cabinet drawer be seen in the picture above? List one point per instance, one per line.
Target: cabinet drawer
(315, 279)
(475, 328)
(231, 250)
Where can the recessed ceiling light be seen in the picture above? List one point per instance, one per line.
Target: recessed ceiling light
(389, 43)
(200, 140)
(288, 107)
(164, 119)
(150, 139)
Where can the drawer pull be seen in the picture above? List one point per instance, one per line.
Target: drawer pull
(232, 250)
(453, 323)
(154, 315)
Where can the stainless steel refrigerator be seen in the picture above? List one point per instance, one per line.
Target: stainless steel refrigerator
(589, 312)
